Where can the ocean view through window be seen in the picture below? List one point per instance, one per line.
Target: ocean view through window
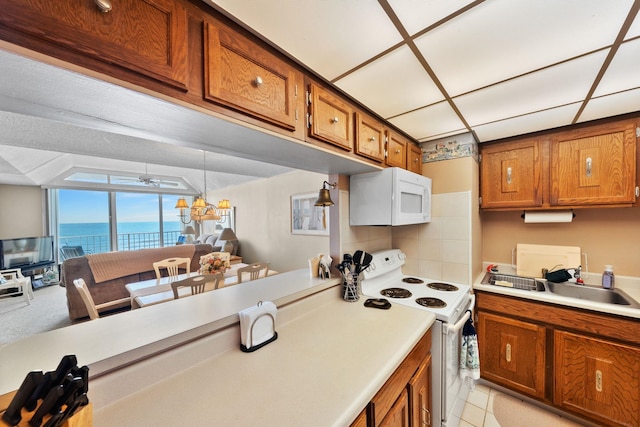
(101, 221)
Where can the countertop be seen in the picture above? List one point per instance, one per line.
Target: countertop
(329, 360)
(630, 285)
(112, 341)
(179, 363)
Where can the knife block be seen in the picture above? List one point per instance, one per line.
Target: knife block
(82, 418)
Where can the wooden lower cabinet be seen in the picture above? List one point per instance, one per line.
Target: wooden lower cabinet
(598, 378)
(512, 353)
(405, 399)
(420, 395)
(583, 362)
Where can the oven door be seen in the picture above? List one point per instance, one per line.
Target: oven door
(455, 393)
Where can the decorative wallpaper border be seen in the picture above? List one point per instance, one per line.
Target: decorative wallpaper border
(452, 147)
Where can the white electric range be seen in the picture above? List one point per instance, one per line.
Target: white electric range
(450, 302)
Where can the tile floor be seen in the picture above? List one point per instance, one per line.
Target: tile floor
(478, 410)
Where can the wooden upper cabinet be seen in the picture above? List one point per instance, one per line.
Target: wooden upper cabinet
(396, 150)
(146, 36)
(331, 118)
(594, 166)
(414, 159)
(597, 378)
(510, 175)
(369, 137)
(245, 77)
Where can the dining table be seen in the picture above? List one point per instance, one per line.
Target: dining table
(156, 291)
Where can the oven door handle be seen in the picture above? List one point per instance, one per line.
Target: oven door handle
(456, 328)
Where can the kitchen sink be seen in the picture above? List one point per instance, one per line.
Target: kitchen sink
(607, 296)
(564, 289)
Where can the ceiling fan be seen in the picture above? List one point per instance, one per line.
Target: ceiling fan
(150, 180)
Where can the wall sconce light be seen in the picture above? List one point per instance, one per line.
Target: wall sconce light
(324, 198)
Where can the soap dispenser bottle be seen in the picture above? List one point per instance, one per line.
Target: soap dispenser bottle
(608, 279)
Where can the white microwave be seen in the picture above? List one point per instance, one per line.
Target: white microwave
(392, 196)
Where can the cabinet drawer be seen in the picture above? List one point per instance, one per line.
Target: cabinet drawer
(146, 36)
(598, 378)
(396, 150)
(331, 118)
(369, 137)
(247, 78)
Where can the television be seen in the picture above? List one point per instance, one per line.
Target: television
(27, 253)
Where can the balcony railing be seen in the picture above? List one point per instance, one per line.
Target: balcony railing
(126, 241)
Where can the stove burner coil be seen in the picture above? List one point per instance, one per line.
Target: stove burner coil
(431, 302)
(396, 293)
(442, 286)
(412, 280)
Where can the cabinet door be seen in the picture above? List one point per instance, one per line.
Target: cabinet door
(331, 118)
(369, 137)
(414, 159)
(147, 36)
(512, 353)
(510, 175)
(396, 150)
(398, 415)
(598, 378)
(594, 166)
(420, 395)
(241, 75)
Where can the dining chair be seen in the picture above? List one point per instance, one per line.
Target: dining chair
(172, 266)
(198, 284)
(92, 308)
(253, 270)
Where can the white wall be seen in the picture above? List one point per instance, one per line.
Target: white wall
(263, 220)
(21, 211)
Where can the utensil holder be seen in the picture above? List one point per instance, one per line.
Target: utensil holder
(350, 287)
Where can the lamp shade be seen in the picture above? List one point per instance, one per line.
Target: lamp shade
(228, 234)
(224, 204)
(181, 203)
(189, 230)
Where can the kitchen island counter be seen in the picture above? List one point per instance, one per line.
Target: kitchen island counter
(329, 360)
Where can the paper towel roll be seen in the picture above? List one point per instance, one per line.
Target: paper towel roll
(547, 216)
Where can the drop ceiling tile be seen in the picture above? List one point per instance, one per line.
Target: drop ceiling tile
(634, 30)
(427, 122)
(418, 15)
(623, 71)
(501, 39)
(612, 105)
(521, 125)
(393, 84)
(329, 36)
(562, 84)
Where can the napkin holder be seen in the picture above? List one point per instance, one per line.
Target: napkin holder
(257, 326)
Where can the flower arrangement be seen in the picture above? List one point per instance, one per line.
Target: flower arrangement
(212, 263)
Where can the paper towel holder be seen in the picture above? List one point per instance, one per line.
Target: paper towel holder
(573, 215)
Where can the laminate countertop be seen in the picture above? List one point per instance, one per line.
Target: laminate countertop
(329, 360)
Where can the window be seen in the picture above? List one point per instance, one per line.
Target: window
(102, 221)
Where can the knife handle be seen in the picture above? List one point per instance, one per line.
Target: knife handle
(40, 391)
(67, 363)
(46, 405)
(70, 386)
(13, 413)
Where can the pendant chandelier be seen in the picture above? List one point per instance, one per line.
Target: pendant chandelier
(201, 209)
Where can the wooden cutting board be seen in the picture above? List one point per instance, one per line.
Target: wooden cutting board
(531, 259)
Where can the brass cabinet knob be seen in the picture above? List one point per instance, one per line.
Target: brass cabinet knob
(103, 5)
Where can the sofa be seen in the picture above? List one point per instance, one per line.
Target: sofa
(218, 244)
(106, 274)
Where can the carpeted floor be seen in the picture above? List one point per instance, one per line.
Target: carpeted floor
(48, 311)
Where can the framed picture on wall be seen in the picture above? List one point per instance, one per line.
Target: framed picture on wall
(228, 221)
(307, 218)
